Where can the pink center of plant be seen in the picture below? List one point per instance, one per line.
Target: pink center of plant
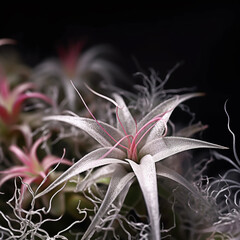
(11, 101)
(69, 57)
(133, 140)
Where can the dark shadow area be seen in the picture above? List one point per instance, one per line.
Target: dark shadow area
(205, 36)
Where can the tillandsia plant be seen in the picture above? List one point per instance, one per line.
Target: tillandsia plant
(115, 168)
(74, 62)
(13, 117)
(11, 101)
(133, 149)
(13, 96)
(92, 66)
(32, 169)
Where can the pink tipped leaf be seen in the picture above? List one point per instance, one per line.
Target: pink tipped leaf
(18, 103)
(13, 172)
(69, 56)
(4, 115)
(20, 89)
(4, 87)
(23, 157)
(49, 161)
(33, 150)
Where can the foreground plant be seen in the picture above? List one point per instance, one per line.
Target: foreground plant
(130, 151)
(138, 174)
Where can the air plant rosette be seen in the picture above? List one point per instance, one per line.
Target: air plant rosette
(84, 159)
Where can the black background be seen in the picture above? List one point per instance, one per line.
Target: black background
(203, 35)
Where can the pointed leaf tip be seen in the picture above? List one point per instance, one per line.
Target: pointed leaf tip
(120, 180)
(167, 146)
(103, 133)
(89, 161)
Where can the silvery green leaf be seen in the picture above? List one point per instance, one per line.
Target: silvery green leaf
(90, 161)
(156, 132)
(165, 172)
(125, 117)
(118, 202)
(105, 171)
(168, 146)
(119, 181)
(91, 127)
(146, 175)
(165, 108)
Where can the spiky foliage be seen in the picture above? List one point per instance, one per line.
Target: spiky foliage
(134, 149)
(135, 177)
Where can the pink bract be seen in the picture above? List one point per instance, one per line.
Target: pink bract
(11, 100)
(69, 57)
(32, 169)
